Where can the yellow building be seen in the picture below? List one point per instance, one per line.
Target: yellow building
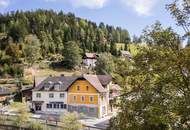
(89, 94)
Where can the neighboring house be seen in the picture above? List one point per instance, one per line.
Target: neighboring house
(126, 54)
(5, 95)
(88, 94)
(89, 60)
(114, 91)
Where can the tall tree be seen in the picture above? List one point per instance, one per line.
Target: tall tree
(104, 64)
(157, 82)
(180, 11)
(71, 53)
(32, 49)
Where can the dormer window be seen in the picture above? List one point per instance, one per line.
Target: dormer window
(58, 86)
(48, 85)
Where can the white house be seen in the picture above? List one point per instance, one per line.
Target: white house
(50, 95)
(89, 60)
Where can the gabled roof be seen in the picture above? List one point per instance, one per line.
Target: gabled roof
(104, 79)
(115, 87)
(98, 81)
(94, 81)
(127, 53)
(90, 55)
(66, 82)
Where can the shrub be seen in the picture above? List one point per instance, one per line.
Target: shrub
(69, 121)
(36, 126)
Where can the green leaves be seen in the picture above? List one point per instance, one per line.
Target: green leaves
(71, 53)
(158, 98)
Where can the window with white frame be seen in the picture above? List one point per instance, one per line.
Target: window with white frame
(62, 95)
(51, 95)
(38, 95)
(74, 98)
(82, 98)
(91, 98)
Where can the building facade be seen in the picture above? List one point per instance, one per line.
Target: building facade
(87, 94)
(89, 60)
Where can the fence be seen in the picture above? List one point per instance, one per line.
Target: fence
(52, 124)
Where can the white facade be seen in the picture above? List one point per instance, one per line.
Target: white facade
(104, 101)
(50, 101)
(90, 62)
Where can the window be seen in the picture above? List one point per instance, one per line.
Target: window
(74, 98)
(78, 88)
(51, 95)
(54, 105)
(82, 98)
(87, 88)
(91, 109)
(62, 106)
(57, 106)
(103, 109)
(62, 95)
(65, 106)
(91, 98)
(49, 106)
(58, 86)
(84, 109)
(38, 95)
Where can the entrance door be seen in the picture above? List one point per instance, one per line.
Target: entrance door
(38, 107)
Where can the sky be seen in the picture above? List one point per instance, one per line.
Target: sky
(133, 15)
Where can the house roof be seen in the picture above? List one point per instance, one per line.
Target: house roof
(126, 53)
(94, 80)
(104, 79)
(98, 81)
(115, 87)
(66, 82)
(90, 55)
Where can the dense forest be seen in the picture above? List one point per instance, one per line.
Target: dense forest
(32, 35)
(57, 28)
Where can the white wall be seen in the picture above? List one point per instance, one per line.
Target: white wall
(90, 62)
(45, 98)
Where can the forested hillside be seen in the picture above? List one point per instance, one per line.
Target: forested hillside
(56, 28)
(32, 35)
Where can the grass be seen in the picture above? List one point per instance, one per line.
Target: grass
(41, 73)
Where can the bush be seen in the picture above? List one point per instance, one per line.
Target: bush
(17, 70)
(36, 126)
(27, 82)
(2, 119)
(43, 65)
(69, 121)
